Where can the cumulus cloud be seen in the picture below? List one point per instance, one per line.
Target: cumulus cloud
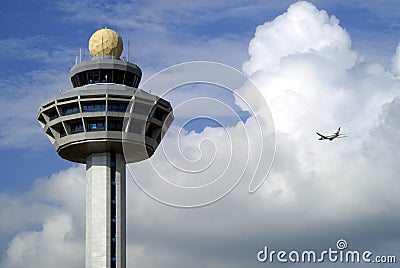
(317, 192)
(311, 77)
(46, 224)
(303, 29)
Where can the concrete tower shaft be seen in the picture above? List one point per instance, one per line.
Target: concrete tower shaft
(105, 121)
(105, 220)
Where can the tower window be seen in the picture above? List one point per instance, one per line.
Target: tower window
(75, 81)
(70, 109)
(82, 78)
(95, 126)
(59, 129)
(93, 76)
(106, 76)
(118, 76)
(76, 127)
(135, 81)
(129, 79)
(94, 107)
(53, 114)
(115, 126)
(117, 107)
(159, 114)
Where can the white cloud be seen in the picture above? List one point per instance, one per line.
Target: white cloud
(48, 248)
(317, 191)
(303, 29)
(311, 77)
(47, 223)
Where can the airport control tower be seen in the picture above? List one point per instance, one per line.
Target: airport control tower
(105, 121)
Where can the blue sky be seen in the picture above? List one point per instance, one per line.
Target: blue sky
(40, 40)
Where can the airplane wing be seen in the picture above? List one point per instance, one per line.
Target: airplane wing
(322, 136)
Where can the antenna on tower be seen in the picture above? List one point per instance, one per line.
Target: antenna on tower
(80, 55)
(76, 60)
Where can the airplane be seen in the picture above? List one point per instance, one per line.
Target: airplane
(331, 137)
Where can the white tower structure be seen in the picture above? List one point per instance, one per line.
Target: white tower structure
(105, 121)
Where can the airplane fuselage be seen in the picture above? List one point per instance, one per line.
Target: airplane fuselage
(332, 136)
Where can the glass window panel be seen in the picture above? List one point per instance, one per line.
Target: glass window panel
(129, 79)
(93, 76)
(71, 109)
(82, 79)
(75, 82)
(96, 126)
(106, 75)
(119, 76)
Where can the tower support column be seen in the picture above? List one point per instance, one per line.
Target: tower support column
(105, 211)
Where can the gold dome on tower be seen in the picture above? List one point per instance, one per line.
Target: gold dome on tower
(105, 42)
